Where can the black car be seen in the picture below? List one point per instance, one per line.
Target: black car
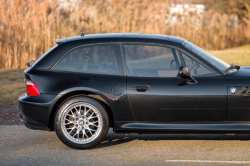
(134, 83)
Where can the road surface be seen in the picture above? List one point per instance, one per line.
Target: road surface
(22, 146)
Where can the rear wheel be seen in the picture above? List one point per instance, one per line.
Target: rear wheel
(81, 123)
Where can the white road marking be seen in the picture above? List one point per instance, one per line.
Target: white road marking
(208, 161)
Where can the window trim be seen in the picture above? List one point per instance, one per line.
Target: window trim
(175, 57)
(120, 73)
(123, 60)
(181, 55)
(171, 47)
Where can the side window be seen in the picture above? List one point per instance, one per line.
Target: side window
(100, 58)
(150, 60)
(195, 67)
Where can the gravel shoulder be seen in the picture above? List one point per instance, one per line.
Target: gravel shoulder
(9, 114)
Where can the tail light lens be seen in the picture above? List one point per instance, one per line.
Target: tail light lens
(31, 88)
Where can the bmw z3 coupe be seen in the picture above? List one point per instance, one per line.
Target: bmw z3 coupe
(133, 83)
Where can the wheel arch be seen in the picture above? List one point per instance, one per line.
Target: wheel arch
(62, 97)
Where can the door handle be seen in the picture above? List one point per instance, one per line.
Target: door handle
(141, 88)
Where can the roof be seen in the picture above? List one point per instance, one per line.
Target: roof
(121, 35)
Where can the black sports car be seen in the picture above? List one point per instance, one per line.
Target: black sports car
(134, 83)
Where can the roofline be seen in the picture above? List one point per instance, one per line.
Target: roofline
(120, 35)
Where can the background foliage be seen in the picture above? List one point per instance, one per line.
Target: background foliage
(29, 28)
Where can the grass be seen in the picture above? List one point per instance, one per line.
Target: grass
(237, 55)
(11, 81)
(11, 85)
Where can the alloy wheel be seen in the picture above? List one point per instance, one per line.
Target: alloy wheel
(81, 122)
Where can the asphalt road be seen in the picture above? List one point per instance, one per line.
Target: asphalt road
(21, 146)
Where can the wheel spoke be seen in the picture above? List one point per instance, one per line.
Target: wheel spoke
(78, 133)
(75, 112)
(87, 111)
(92, 117)
(92, 129)
(71, 129)
(78, 111)
(84, 133)
(74, 135)
(91, 114)
(89, 130)
(73, 116)
(69, 123)
(84, 110)
(92, 124)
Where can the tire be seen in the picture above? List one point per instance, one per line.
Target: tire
(76, 128)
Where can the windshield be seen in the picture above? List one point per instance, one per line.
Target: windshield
(221, 65)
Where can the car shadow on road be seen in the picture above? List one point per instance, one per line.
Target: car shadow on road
(116, 139)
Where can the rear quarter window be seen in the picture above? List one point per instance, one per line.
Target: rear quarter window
(100, 58)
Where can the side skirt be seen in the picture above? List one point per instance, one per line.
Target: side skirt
(183, 127)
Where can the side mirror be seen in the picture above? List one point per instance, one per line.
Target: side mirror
(184, 72)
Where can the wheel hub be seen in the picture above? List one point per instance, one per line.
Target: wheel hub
(81, 122)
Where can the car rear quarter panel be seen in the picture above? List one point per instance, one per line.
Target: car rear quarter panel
(60, 83)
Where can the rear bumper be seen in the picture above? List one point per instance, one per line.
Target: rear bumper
(35, 111)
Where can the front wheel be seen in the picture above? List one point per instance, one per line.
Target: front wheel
(81, 123)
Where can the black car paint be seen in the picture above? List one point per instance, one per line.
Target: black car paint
(170, 101)
(238, 103)
(170, 105)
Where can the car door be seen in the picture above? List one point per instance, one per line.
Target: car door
(156, 94)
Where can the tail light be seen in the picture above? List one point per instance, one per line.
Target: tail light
(31, 88)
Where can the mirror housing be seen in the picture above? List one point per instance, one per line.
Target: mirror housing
(184, 72)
